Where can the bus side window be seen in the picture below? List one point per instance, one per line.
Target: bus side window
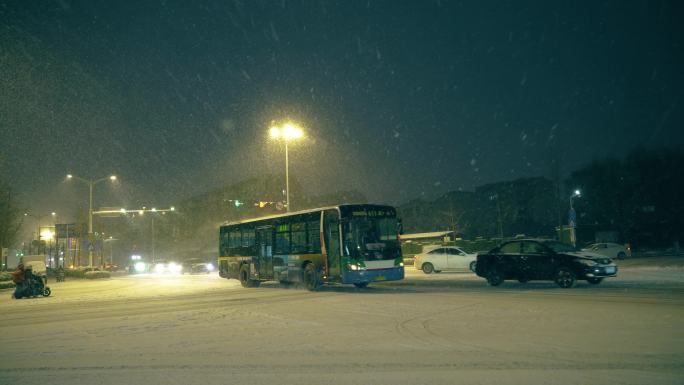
(298, 244)
(225, 241)
(248, 246)
(313, 229)
(234, 241)
(282, 239)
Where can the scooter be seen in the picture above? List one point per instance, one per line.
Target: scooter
(34, 287)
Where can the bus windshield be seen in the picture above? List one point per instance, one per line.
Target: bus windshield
(371, 238)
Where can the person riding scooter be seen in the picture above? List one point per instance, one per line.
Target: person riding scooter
(28, 284)
(20, 281)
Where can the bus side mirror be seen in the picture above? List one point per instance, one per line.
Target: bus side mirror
(400, 227)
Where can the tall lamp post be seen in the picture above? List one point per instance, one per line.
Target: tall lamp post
(287, 132)
(90, 184)
(48, 235)
(111, 249)
(572, 217)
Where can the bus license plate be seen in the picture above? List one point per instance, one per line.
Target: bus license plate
(380, 278)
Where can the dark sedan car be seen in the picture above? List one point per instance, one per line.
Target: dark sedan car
(535, 259)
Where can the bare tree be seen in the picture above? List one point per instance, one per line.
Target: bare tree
(10, 219)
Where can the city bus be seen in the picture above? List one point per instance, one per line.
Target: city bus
(349, 244)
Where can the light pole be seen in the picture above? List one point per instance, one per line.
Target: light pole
(572, 217)
(90, 184)
(111, 249)
(287, 132)
(49, 236)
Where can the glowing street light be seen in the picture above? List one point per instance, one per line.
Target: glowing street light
(90, 184)
(47, 234)
(575, 194)
(287, 132)
(573, 217)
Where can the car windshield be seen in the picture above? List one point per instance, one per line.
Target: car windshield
(560, 247)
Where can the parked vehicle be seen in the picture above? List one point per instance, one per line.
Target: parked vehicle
(535, 259)
(444, 258)
(611, 250)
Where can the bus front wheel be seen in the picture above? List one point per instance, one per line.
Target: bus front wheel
(310, 277)
(245, 281)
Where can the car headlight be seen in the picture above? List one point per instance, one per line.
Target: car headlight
(588, 262)
(139, 267)
(210, 266)
(159, 268)
(175, 268)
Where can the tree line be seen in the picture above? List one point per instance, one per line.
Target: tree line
(634, 200)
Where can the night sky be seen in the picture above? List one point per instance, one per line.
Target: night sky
(398, 99)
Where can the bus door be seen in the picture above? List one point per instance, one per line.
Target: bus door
(331, 234)
(264, 251)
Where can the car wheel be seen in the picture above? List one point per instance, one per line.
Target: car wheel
(438, 271)
(310, 277)
(473, 266)
(428, 268)
(565, 278)
(361, 285)
(594, 281)
(47, 292)
(621, 255)
(523, 280)
(494, 278)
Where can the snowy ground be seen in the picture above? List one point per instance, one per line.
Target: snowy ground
(436, 329)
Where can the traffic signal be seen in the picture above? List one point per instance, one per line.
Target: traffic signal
(262, 204)
(238, 203)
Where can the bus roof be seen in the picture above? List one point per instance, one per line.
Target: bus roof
(300, 212)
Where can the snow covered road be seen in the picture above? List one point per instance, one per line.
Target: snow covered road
(436, 329)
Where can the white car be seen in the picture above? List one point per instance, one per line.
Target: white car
(444, 258)
(612, 250)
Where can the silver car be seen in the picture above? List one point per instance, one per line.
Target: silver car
(612, 250)
(444, 258)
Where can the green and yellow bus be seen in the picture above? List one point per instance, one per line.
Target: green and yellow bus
(356, 244)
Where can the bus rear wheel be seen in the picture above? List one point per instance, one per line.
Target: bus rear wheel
(361, 285)
(310, 277)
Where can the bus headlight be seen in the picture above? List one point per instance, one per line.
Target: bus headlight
(355, 267)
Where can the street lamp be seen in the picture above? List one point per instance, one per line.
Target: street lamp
(287, 132)
(111, 248)
(90, 184)
(573, 217)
